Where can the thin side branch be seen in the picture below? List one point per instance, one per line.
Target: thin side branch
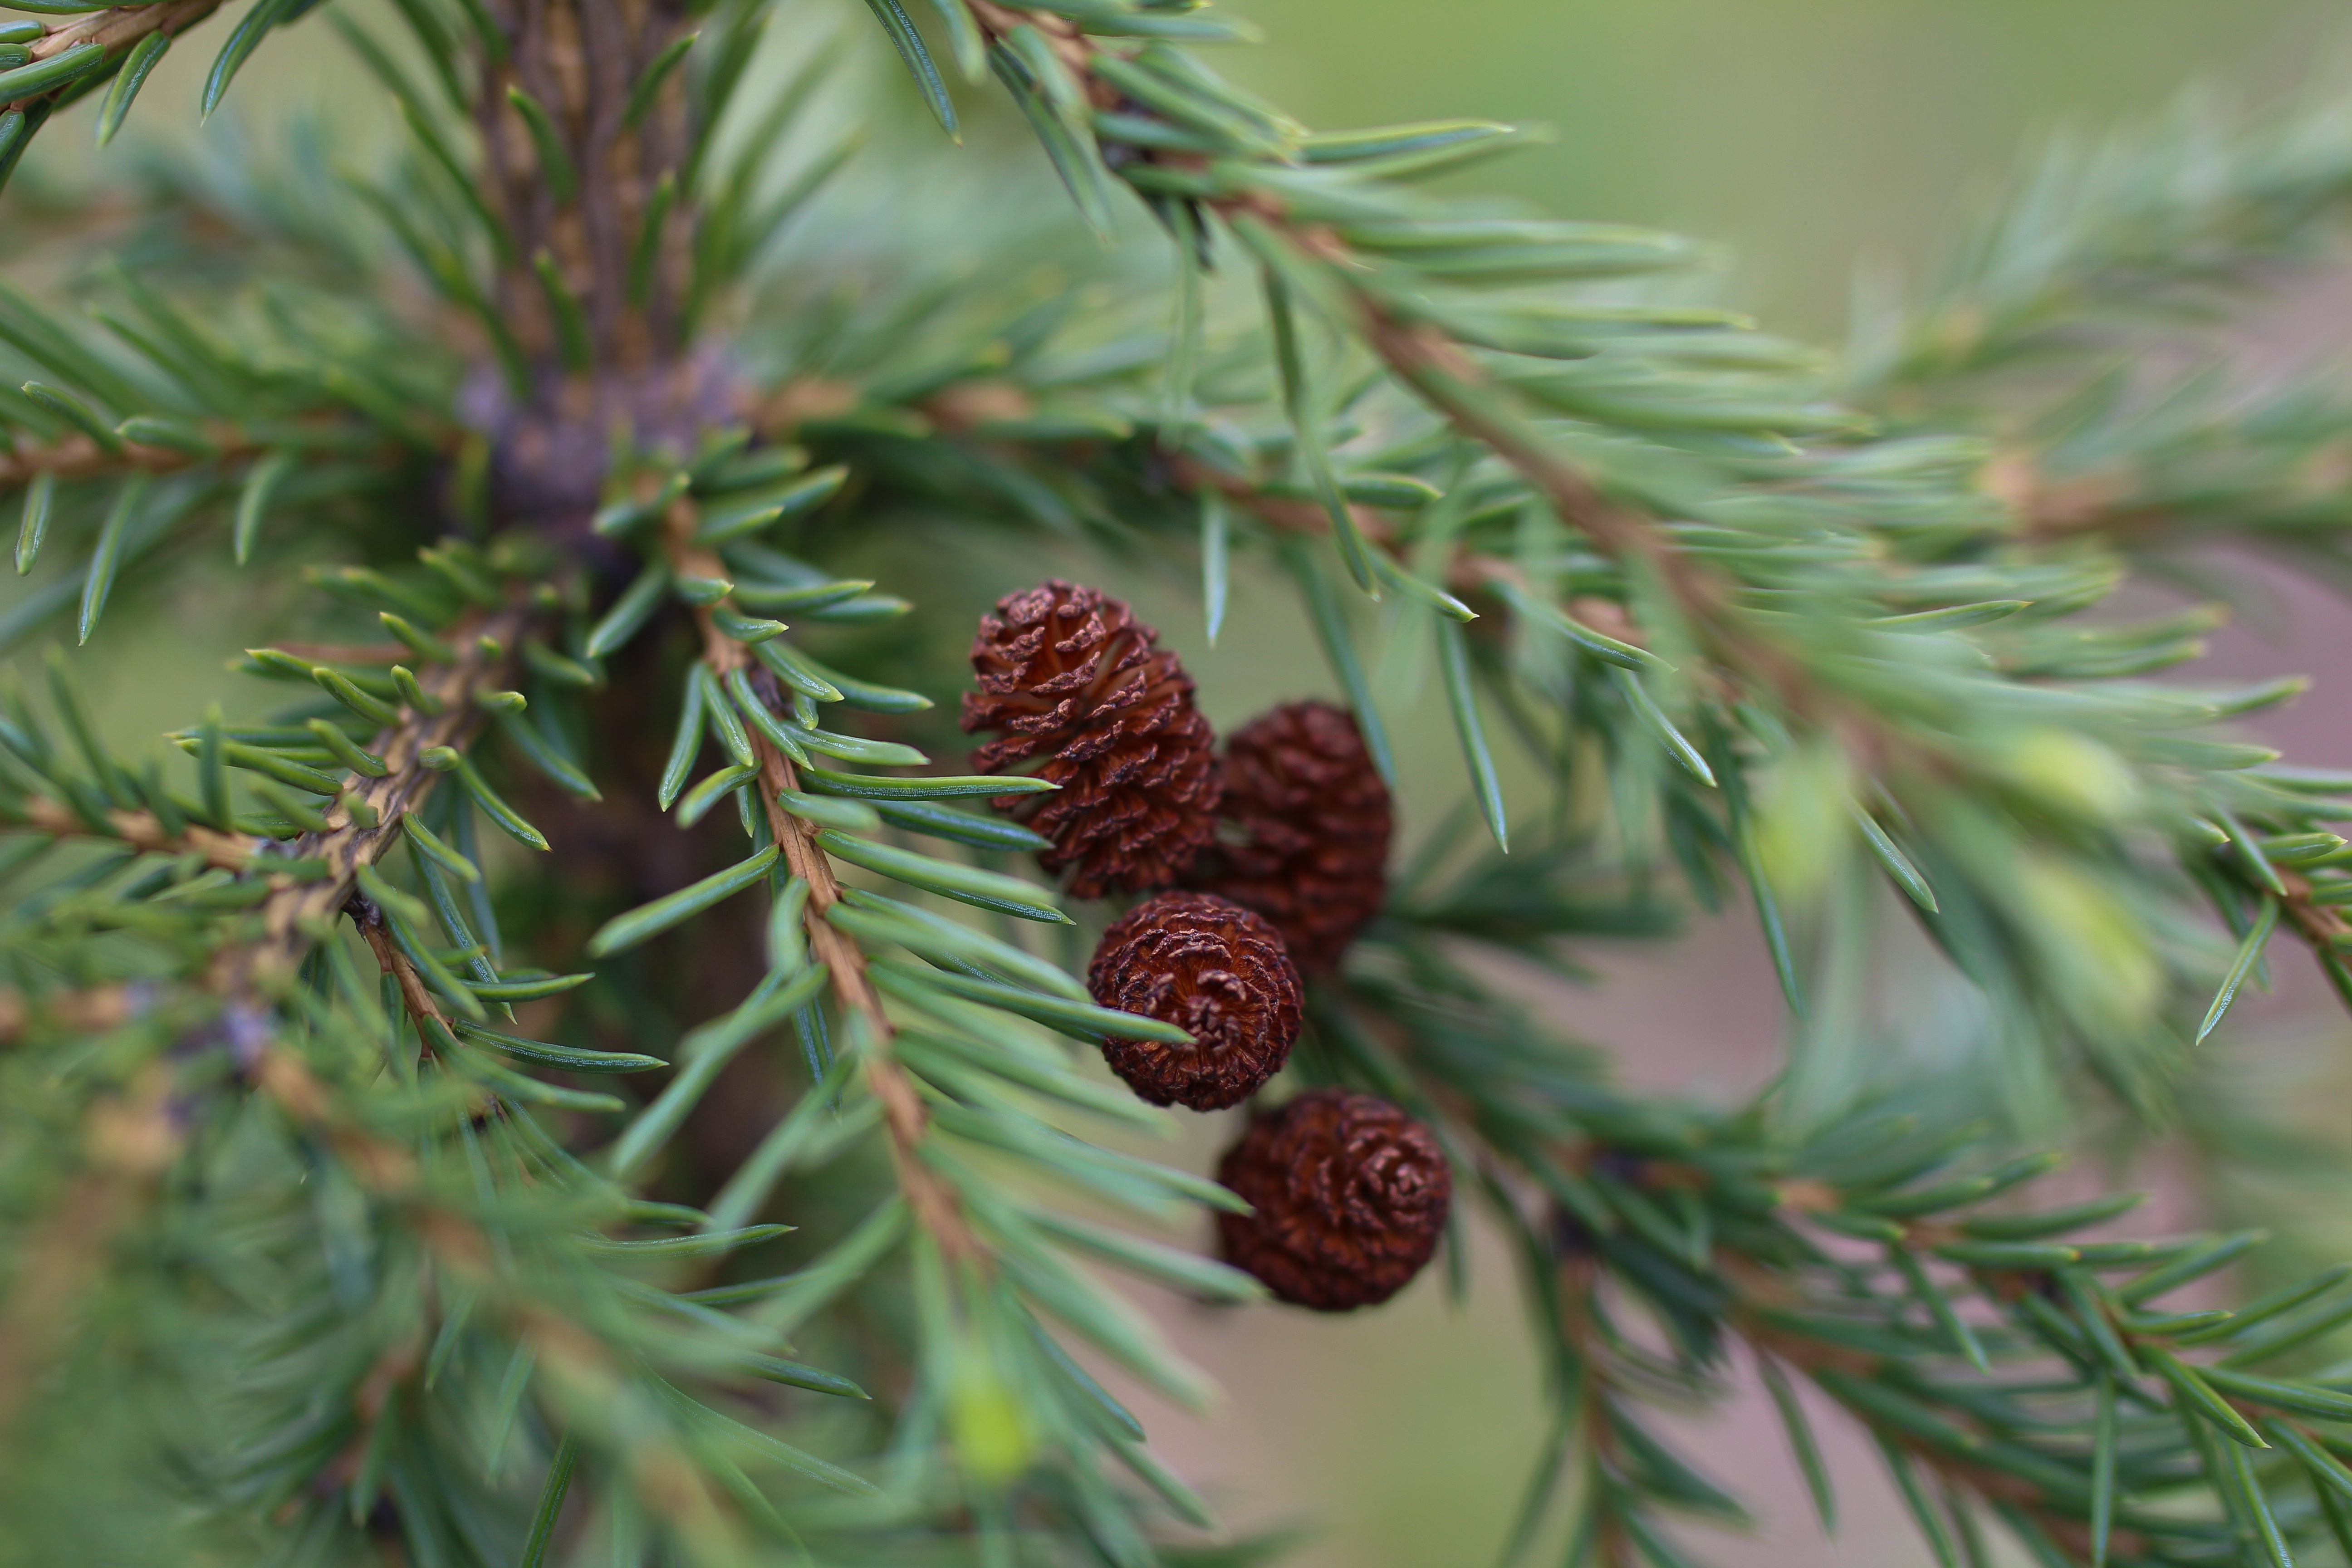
(80, 457)
(932, 1199)
(142, 831)
(419, 1002)
(294, 915)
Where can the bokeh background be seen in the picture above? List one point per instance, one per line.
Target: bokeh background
(1813, 139)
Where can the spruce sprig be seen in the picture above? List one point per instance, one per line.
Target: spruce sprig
(327, 1214)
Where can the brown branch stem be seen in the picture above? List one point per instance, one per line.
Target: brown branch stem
(394, 963)
(580, 60)
(2321, 925)
(80, 457)
(932, 1199)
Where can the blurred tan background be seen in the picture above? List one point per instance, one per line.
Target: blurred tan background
(1811, 136)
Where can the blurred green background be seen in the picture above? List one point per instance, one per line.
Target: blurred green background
(1811, 137)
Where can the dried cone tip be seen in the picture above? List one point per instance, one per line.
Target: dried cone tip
(1352, 1195)
(1071, 677)
(1313, 826)
(1214, 969)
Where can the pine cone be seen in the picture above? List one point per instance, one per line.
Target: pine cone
(1315, 816)
(1350, 1193)
(1074, 677)
(1214, 969)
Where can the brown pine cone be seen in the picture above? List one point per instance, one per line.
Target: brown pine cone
(1214, 969)
(1352, 1195)
(1316, 824)
(1074, 677)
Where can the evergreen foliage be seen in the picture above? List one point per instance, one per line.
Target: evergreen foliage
(392, 1107)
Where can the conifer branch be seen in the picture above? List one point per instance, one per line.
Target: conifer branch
(1677, 1213)
(932, 1200)
(584, 1367)
(290, 920)
(115, 31)
(1740, 627)
(80, 457)
(297, 915)
(1421, 355)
